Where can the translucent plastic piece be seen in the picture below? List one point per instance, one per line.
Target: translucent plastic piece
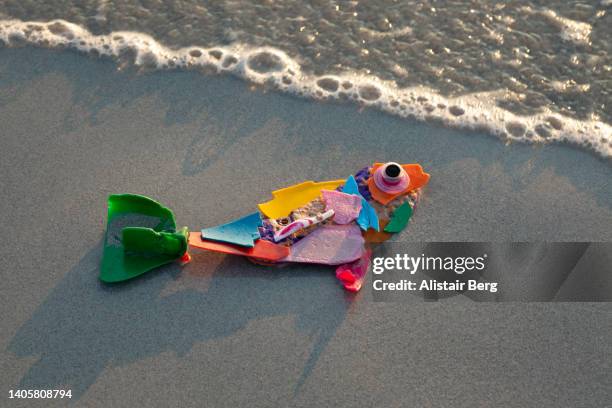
(329, 245)
(352, 275)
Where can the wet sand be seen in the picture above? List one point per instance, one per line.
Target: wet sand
(224, 332)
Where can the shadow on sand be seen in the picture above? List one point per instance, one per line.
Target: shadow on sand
(84, 325)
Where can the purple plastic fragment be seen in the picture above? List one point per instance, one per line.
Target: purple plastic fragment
(330, 245)
(361, 177)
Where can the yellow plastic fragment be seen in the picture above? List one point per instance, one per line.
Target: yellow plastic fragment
(289, 198)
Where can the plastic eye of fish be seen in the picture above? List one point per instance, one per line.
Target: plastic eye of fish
(391, 178)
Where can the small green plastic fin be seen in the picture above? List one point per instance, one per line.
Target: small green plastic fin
(140, 235)
(400, 218)
(139, 241)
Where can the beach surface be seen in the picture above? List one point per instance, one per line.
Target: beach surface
(224, 332)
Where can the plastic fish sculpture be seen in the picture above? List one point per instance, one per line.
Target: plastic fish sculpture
(330, 223)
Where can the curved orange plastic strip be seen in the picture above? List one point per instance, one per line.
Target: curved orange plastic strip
(262, 249)
(418, 178)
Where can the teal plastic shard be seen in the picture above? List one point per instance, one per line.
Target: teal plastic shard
(140, 236)
(242, 231)
(400, 218)
(367, 216)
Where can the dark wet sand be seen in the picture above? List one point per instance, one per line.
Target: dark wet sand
(224, 332)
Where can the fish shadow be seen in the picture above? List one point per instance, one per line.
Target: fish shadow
(85, 326)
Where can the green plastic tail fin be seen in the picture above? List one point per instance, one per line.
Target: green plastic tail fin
(140, 236)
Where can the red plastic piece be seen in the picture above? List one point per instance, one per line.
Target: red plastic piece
(262, 249)
(353, 274)
(185, 259)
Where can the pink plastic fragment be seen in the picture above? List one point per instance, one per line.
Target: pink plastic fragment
(353, 274)
(346, 206)
(329, 245)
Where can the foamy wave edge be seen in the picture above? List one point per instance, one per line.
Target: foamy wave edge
(270, 66)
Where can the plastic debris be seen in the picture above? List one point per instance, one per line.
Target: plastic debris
(312, 209)
(367, 216)
(368, 219)
(288, 199)
(346, 207)
(385, 212)
(391, 178)
(140, 235)
(353, 274)
(400, 218)
(148, 242)
(350, 186)
(411, 175)
(330, 245)
(242, 231)
(361, 178)
(377, 237)
(295, 226)
(262, 249)
(185, 259)
(301, 224)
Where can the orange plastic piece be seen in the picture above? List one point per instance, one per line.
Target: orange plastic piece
(418, 178)
(289, 198)
(262, 249)
(376, 237)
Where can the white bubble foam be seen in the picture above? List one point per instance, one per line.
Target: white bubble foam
(373, 34)
(273, 67)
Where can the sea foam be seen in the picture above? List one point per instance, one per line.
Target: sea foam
(273, 67)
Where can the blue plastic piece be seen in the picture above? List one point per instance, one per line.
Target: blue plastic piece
(243, 231)
(367, 216)
(350, 186)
